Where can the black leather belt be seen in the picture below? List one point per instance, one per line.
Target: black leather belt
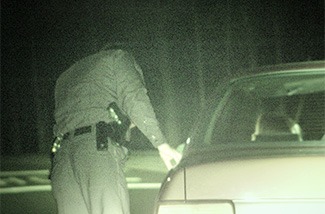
(78, 131)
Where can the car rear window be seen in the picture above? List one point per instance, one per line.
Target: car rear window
(248, 116)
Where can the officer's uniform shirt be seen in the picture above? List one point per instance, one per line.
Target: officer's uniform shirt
(84, 91)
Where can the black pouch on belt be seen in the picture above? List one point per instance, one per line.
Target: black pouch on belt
(102, 136)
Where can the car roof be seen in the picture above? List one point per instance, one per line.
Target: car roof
(284, 79)
(287, 67)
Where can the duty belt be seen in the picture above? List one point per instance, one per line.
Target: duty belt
(78, 131)
(112, 130)
(103, 132)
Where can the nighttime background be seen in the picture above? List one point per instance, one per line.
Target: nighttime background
(186, 48)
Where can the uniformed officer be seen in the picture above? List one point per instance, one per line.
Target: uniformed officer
(87, 175)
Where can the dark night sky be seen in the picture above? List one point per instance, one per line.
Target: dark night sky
(40, 39)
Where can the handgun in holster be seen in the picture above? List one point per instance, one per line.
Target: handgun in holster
(115, 130)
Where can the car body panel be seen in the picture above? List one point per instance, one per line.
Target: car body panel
(174, 186)
(285, 178)
(303, 206)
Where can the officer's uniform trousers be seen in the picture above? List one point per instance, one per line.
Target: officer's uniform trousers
(87, 181)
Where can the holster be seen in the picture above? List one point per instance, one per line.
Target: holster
(102, 135)
(109, 131)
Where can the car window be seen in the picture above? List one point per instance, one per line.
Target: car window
(248, 115)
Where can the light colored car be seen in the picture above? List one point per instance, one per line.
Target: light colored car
(261, 149)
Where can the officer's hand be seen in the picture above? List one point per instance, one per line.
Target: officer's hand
(170, 156)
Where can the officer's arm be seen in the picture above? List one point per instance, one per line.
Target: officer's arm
(133, 99)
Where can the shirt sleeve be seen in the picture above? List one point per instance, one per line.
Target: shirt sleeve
(133, 99)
